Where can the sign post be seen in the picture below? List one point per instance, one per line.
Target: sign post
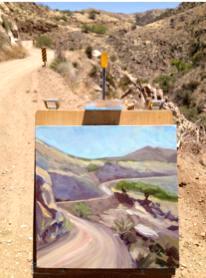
(44, 56)
(104, 65)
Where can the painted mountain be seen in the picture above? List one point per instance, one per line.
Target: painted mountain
(95, 210)
(149, 154)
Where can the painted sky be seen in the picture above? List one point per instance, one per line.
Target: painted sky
(116, 7)
(93, 142)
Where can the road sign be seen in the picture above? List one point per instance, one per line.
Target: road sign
(104, 60)
(104, 65)
(44, 55)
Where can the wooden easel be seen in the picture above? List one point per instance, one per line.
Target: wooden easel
(102, 117)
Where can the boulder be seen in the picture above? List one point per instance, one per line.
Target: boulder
(146, 231)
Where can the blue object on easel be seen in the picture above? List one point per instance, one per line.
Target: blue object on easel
(105, 105)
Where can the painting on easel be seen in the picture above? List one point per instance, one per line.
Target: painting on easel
(106, 197)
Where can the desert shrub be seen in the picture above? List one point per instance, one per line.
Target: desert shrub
(191, 86)
(201, 106)
(60, 63)
(60, 53)
(64, 18)
(123, 225)
(3, 40)
(67, 12)
(92, 167)
(145, 261)
(92, 14)
(93, 72)
(67, 224)
(191, 113)
(14, 52)
(165, 82)
(61, 17)
(88, 52)
(64, 68)
(94, 28)
(184, 97)
(198, 57)
(110, 79)
(197, 52)
(44, 41)
(6, 24)
(147, 189)
(133, 27)
(55, 63)
(181, 65)
(124, 82)
(113, 58)
(75, 65)
(82, 210)
(202, 118)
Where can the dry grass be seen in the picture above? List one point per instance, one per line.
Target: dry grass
(13, 52)
(64, 67)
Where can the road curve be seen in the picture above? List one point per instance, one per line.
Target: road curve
(92, 246)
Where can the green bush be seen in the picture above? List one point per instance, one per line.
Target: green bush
(43, 41)
(123, 225)
(181, 65)
(94, 28)
(92, 14)
(55, 63)
(165, 82)
(147, 189)
(82, 210)
(92, 167)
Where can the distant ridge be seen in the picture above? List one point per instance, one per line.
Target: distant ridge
(144, 154)
(148, 154)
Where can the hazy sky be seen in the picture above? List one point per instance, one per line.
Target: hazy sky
(121, 7)
(104, 141)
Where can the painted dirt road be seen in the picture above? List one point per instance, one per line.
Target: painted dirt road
(87, 249)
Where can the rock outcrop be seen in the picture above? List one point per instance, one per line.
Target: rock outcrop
(50, 220)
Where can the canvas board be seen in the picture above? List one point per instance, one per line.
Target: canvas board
(106, 196)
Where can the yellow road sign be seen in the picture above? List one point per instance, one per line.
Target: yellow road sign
(104, 60)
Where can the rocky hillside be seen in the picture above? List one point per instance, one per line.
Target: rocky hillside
(171, 53)
(10, 47)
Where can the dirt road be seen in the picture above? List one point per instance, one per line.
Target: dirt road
(20, 96)
(88, 248)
